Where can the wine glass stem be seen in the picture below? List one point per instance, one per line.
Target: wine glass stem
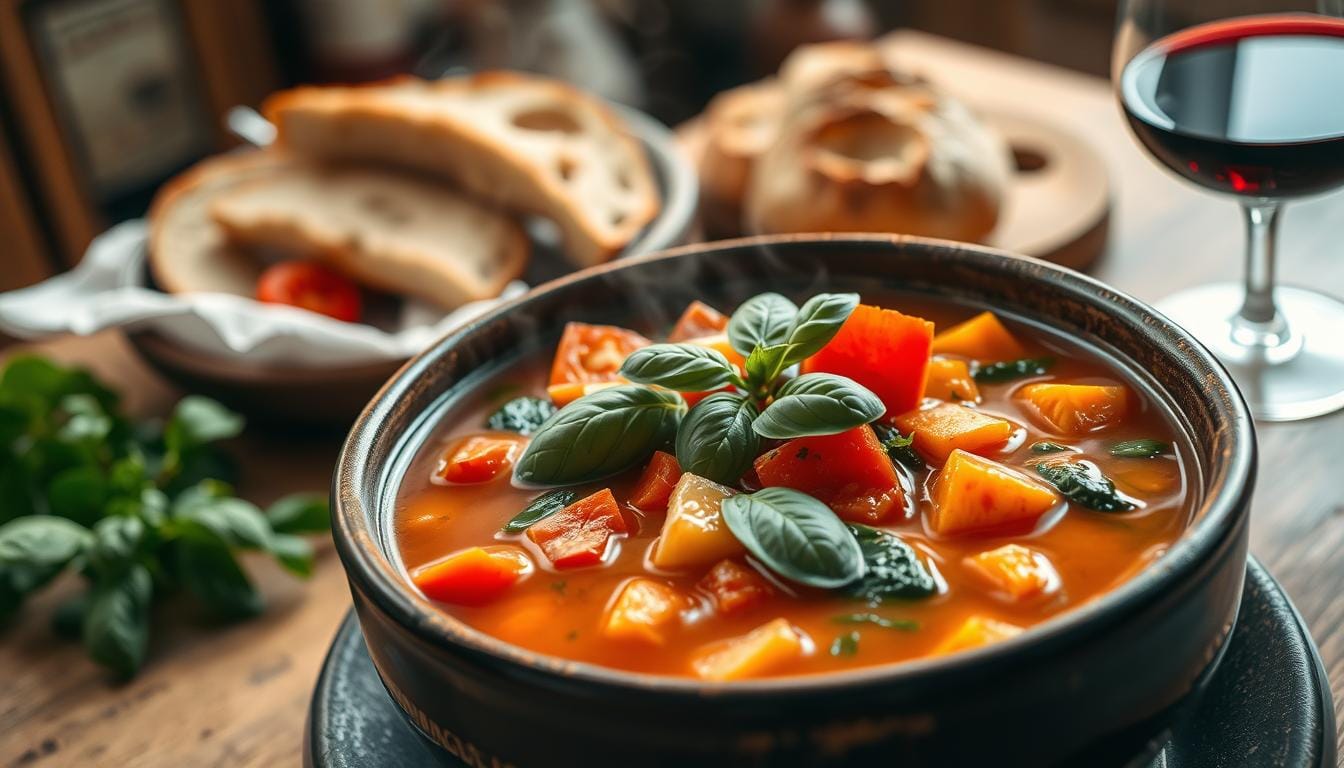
(1259, 322)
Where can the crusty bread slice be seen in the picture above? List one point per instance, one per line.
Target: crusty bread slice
(387, 229)
(521, 142)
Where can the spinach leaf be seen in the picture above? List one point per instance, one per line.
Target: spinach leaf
(599, 435)
(1140, 449)
(899, 448)
(541, 508)
(905, 625)
(818, 404)
(795, 536)
(523, 415)
(761, 321)
(116, 619)
(716, 440)
(680, 367)
(1085, 485)
(893, 568)
(1008, 370)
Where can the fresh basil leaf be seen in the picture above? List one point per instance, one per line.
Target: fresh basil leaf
(893, 569)
(78, 493)
(85, 421)
(299, 513)
(1044, 446)
(846, 644)
(900, 448)
(818, 404)
(765, 363)
(35, 548)
(1085, 485)
(816, 324)
(234, 521)
(199, 420)
(761, 321)
(796, 536)
(1007, 370)
(600, 434)
(36, 377)
(294, 553)
(539, 509)
(905, 625)
(716, 440)
(116, 540)
(523, 415)
(207, 569)
(1140, 449)
(680, 367)
(128, 476)
(116, 620)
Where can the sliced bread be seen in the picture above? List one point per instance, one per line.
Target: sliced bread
(521, 142)
(387, 229)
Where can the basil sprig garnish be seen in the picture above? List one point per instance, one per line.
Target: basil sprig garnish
(716, 440)
(818, 404)
(542, 507)
(1146, 448)
(762, 321)
(796, 536)
(682, 367)
(1085, 485)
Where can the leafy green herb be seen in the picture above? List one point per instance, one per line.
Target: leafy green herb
(1008, 370)
(1044, 446)
(899, 448)
(540, 508)
(680, 367)
(905, 625)
(1084, 484)
(818, 404)
(816, 323)
(523, 415)
(846, 644)
(761, 321)
(1140, 449)
(893, 569)
(137, 509)
(796, 536)
(600, 434)
(716, 440)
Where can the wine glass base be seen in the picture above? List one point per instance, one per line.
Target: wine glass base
(1299, 378)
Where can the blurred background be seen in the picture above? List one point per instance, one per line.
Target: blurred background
(102, 100)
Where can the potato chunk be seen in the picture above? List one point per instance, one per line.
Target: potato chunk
(948, 427)
(764, 649)
(951, 380)
(982, 338)
(694, 532)
(975, 632)
(1014, 571)
(645, 610)
(973, 493)
(1077, 409)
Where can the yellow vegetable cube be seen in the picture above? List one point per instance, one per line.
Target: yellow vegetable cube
(765, 649)
(975, 632)
(1076, 409)
(694, 532)
(644, 610)
(982, 338)
(1015, 571)
(973, 493)
(947, 427)
(950, 380)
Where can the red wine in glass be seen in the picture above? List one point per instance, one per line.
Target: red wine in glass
(1252, 106)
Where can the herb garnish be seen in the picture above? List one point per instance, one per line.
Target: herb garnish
(1044, 446)
(899, 448)
(905, 625)
(995, 373)
(1140, 449)
(892, 568)
(539, 509)
(846, 644)
(795, 536)
(1084, 484)
(523, 415)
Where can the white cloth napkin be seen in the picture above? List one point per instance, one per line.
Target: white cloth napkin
(107, 290)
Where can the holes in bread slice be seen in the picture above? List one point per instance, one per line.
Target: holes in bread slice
(552, 119)
(870, 146)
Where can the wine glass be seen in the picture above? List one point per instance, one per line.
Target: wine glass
(1246, 98)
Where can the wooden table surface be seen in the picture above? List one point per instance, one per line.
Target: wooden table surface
(237, 696)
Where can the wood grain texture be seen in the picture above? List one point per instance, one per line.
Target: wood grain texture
(238, 697)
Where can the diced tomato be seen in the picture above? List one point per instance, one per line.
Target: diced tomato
(480, 458)
(578, 535)
(698, 320)
(838, 469)
(655, 485)
(884, 351)
(734, 587)
(473, 576)
(870, 506)
(311, 286)
(593, 353)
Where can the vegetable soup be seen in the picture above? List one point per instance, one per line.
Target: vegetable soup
(792, 490)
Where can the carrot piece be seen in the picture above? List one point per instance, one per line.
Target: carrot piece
(694, 532)
(579, 534)
(643, 611)
(975, 632)
(592, 353)
(829, 466)
(1077, 409)
(761, 651)
(982, 338)
(1014, 571)
(951, 380)
(656, 483)
(940, 430)
(735, 588)
(698, 320)
(881, 349)
(473, 576)
(480, 458)
(973, 493)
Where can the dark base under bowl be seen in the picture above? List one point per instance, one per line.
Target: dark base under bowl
(1269, 704)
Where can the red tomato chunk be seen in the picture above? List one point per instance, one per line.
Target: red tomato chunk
(884, 351)
(734, 587)
(578, 535)
(655, 485)
(849, 471)
(480, 458)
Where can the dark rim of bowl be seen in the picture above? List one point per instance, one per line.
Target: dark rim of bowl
(1225, 505)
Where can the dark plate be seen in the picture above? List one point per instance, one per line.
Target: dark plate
(1269, 704)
